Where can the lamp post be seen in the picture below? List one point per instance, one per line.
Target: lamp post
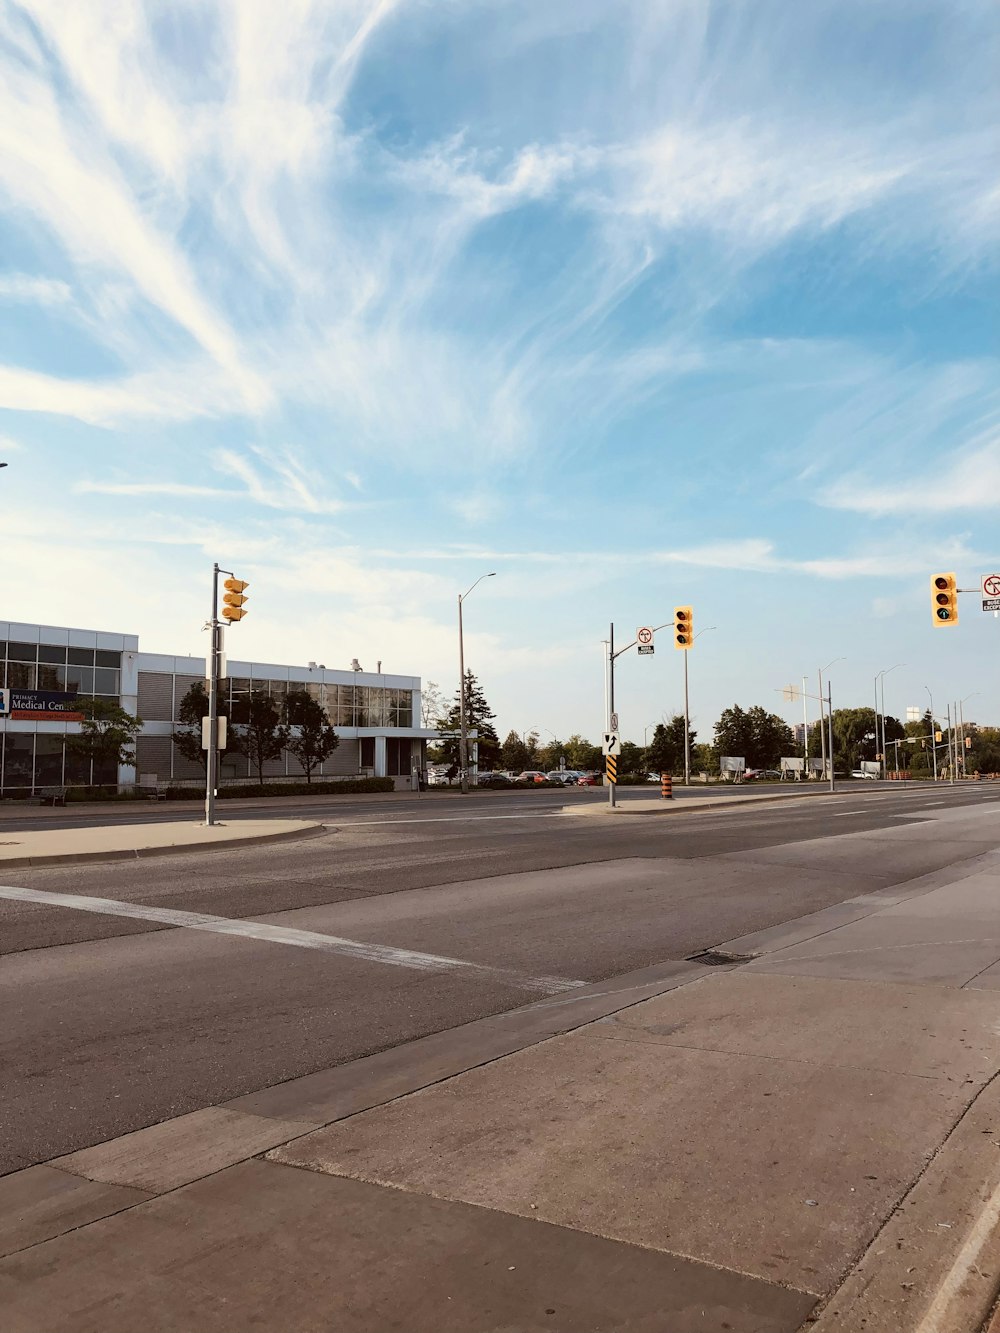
(822, 737)
(933, 744)
(881, 747)
(463, 742)
(687, 711)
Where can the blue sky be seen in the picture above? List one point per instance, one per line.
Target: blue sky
(637, 302)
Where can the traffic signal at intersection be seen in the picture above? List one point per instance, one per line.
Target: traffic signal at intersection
(683, 627)
(233, 601)
(944, 599)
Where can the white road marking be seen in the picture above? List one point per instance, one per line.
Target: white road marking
(849, 814)
(441, 819)
(304, 939)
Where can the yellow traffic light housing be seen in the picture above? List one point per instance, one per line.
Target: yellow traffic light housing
(233, 601)
(944, 599)
(683, 627)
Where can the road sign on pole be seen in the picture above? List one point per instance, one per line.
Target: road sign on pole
(611, 770)
(612, 743)
(991, 592)
(644, 636)
(614, 721)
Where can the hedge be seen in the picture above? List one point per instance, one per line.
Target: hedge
(242, 790)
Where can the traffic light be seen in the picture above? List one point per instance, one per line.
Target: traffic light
(938, 737)
(944, 599)
(683, 627)
(968, 742)
(233, 602)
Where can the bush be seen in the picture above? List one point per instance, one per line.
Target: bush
(243, 790)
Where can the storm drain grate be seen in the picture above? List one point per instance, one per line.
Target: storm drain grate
(719, 958)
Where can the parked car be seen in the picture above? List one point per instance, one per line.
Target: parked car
(863, 773)
(494, 780)
(589, 780)
(567, 776)
(531, 775)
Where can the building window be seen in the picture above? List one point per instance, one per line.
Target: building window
(21, 675)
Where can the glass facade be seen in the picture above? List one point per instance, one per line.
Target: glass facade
(344, 705)
(29, 761)
(46, 666)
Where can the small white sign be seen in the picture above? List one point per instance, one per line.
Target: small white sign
(645, 650)
(612, 743)
(991, 592)
(644, 636)
(614, 722)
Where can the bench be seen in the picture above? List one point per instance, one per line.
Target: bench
(52, 796)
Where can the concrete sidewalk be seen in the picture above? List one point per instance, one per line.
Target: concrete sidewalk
(115, 842)
(806, 1135)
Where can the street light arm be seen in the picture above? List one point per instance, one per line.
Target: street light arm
(491, 575)
(635, 641)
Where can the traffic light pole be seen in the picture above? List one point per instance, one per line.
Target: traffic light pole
(212, 754)
(612, 786)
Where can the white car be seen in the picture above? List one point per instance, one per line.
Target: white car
(861, 773)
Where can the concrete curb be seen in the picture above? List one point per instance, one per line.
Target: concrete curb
(168, 849)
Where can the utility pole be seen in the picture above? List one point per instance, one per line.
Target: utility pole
(687, 728)
(612, 786)
(822, 726)
(829, 709)
(212, 754)
(933, 742)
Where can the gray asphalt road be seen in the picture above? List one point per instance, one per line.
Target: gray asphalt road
(15, 816)
(416, 918)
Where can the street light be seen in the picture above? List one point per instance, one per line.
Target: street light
(822, 737)
(687, 711)
(463, 743)
(881, 677)
(933, 744)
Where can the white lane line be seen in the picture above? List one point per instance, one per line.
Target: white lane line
(440, 819)
(304, 939)
(850, 814)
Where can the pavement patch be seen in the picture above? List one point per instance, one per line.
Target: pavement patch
(609, 1135)
(262, 1246)
(174, 1153)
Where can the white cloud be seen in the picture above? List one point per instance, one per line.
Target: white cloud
(968, 481)
(39, 291)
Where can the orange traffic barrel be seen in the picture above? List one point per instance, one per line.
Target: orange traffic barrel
(666, 786)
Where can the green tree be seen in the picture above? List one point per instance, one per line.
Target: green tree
(193, 707)
(478, 717)
(665, 753)
(313, 739)
(550, 755)
(734, 734)
(261, 736)
(759, 736)
(107, 737)
(583, 754)
(770, 738)
(632, 760)
(517, 753)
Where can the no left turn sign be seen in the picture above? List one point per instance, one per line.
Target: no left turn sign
(991, 592)
(644, 635)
